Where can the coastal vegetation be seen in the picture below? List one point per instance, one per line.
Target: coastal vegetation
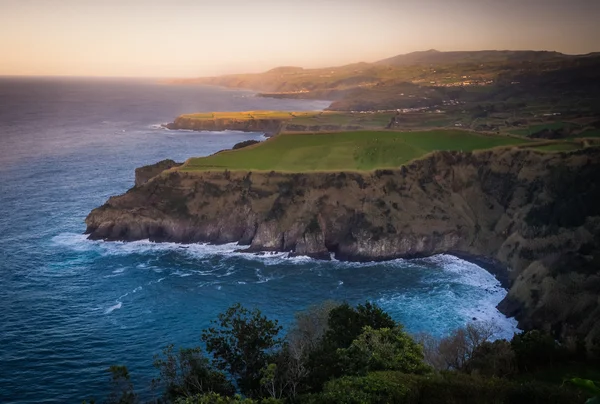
(359, 150)
(336, 353)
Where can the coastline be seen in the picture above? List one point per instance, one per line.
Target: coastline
(476, 206)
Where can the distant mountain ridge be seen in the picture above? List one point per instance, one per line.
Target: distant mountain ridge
(433, 56)
(431, 78)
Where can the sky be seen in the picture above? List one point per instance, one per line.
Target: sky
(190, 38)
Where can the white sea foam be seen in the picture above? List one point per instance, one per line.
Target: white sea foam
(484, 295)
(113, 308)
(476, 304)
(159, 126)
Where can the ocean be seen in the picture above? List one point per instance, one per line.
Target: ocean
(70, 307)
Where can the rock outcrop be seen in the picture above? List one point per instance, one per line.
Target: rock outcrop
(536, 215)
(145, 173)
(269, 127)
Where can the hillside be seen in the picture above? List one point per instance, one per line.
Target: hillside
(534, 214)
(514, 81)
(434, 57)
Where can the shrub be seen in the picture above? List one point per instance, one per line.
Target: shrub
(535, 350)
(493, 359)
(456, 349)
(243, 144)
(383, 349)
(213, 398)
(444, 388)
(377, 387)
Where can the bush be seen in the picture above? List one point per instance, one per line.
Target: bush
(493, 359)
(383, 349)
(445, 388)
(535, 350)
(213, 398)
(243, 144)
(377, 387)
(457, 349)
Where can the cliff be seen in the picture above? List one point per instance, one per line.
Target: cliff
(145, 173)
(536, 214)
(269, 127)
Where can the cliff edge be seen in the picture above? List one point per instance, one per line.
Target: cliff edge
(535, 214)
(269, 127)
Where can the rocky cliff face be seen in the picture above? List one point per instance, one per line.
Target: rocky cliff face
(145, 173)
(536, 214)
(269, 127)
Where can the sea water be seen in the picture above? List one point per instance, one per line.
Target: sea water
(70, 307)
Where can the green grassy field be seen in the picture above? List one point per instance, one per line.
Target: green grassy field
(362, 150)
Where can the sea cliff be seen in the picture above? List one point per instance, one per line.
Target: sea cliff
(534, 215)
(269, 127)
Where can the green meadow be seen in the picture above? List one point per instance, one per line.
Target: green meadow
(360, 150)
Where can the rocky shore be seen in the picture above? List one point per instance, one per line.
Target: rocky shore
(531, 218)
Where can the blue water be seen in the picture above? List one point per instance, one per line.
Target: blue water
(70, 307)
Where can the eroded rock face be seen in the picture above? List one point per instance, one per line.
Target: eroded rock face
(143, 174)
(537, 214)
(268, 126)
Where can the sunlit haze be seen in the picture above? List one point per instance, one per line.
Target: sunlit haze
(174, 38)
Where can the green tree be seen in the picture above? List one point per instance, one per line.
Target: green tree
(122, 387)
(344, 325)
(492, 359)
(242, 342)
(187, 372)
(304, 338)
(457, 348)
(535, 350)
(383, 349)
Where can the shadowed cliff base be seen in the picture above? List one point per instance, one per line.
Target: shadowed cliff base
(536, 213)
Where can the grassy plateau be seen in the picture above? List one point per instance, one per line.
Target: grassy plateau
(360, 150)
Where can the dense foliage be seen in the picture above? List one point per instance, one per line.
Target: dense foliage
(336, 353)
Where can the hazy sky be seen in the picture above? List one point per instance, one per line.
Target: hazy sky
(167, 38)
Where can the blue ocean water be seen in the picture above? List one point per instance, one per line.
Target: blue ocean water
(69, 307)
